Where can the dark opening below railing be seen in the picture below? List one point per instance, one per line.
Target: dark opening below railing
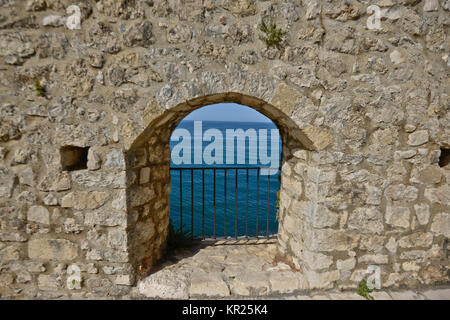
(199, 172)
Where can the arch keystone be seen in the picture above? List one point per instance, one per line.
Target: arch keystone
(285, 98)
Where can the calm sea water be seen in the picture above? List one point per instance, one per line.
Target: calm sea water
(268, 188)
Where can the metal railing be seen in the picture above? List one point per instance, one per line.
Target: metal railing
(226, 170)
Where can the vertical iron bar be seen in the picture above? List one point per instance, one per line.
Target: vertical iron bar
(268, 202)
(225, 211)
(236, 169)
(257, 200)
(192, 203)
(203, 202)
(235, 205)
(246, 211)
(181, 201)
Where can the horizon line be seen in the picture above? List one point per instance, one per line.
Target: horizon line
(270, 121)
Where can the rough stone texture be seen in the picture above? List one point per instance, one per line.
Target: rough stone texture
(362, 114)
(38, 214)
(438, 294)
(209, 272)
(406, 295)
(52, 249)
(284, 282)
(208, 284)
(398, 216)
(441, 224)
(166, 285)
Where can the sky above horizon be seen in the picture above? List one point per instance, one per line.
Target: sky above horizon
(227, 112)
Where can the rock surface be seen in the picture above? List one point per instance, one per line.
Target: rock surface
(362, 114)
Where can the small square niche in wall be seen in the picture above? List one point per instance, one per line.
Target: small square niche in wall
(73, 158)
(444, 159)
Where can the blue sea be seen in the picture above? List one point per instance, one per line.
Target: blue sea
(249, 213)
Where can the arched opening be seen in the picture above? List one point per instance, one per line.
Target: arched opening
(149, 184)
(225, 174)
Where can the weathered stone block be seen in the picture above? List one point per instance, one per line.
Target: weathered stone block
(427, 175)
(164, 284)
(441, 224)
(398, 216)
(293, 186)
(284, 282)
(12, 237)
(247, 284)
(437, 294)
(10, 253)
(417, 239)
(99, 179)
(140, 196)
(124, 280)
(144, 175)
(117, 239)
(285, 98)
(241, 7)
(372, 243)
(208, 284)
(6, 279)
(323, 280)
(318, 215)
(316, 261)
(347, 264)
(374, 259)
(418, 138)
(98, 285)
(431, 5)
(391, 245)
(320, 138)
(116, 255)
(6, 182)
(105, 217)
(50, 200)
(38, 214)
(52, 249)
(440, 195)
(366, 220)
(49, 282)
(422, 213)
(55, 181)
(401, 193)
(84, 200)
(120, 201)
(329, 240)
(115, 160)
(93, 160)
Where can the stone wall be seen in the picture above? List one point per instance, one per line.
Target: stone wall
(86, 116)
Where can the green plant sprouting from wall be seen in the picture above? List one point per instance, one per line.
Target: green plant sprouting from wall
(273, 36)
(364, 290)
(178, 239)
(40, 90)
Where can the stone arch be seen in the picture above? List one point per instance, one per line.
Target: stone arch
(148, 175)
